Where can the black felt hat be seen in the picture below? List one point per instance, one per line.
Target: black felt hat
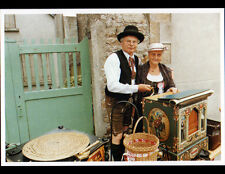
(131, 30)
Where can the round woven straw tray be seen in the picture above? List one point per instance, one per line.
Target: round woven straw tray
(55, 146)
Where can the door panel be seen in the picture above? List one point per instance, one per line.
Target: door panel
(43, 103)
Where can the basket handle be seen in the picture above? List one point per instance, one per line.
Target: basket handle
(137, 124)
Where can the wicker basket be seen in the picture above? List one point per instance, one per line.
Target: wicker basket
(141, 146)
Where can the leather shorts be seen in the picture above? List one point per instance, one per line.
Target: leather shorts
(121, 115)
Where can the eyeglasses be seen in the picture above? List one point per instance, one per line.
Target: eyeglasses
(131, 42)
(155, 54)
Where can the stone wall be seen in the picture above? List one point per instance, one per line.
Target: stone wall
(113, 25)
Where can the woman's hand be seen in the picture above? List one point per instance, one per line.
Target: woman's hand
(144, 88)
(173, 90)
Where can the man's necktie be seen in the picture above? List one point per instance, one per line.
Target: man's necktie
(131, 64)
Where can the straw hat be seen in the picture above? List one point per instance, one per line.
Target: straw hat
(157, 46)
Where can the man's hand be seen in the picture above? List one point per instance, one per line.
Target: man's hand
(144, 88)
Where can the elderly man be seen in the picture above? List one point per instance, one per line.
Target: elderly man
(121, 68)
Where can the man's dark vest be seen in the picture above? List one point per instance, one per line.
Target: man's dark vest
(125, 76)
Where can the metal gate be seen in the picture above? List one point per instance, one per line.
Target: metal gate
(42, 93)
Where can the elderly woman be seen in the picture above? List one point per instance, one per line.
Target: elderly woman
(156, 74)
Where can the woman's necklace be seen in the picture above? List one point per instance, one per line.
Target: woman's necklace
(154, 70)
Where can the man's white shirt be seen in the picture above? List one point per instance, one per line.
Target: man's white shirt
(112, 72)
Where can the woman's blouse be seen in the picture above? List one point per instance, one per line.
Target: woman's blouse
(161, 82)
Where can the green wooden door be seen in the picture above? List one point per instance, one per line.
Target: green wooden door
(46, 95)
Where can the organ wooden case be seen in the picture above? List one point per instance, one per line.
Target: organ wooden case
(179, 121)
